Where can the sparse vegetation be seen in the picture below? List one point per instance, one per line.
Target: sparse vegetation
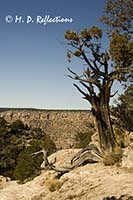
(111, 158)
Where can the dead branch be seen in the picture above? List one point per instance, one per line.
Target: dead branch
(90, 154)
(112, 95)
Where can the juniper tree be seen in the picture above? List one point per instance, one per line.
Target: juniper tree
(103, 67)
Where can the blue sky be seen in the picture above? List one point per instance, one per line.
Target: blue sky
(33, 59)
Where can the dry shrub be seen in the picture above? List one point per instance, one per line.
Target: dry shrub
(53, 184)
(111, 158)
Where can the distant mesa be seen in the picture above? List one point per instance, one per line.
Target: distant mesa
(38, 109)
(8, 109)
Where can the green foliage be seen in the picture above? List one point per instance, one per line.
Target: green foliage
(121, 52)
(126, 99)
(93, 32)
(3, 133)
(83, 139)
(17, 143)
(78, 53)
(28, 166)
(3, 122)
(44, 140)
(8, 158)
(86, 36)
(37, 133)
(118, 15)
(71, 35)
(118, 19)
(123, 111)
(17, 127)
(49, 145)
(103, 67)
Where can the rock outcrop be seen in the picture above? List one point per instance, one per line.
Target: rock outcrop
(89, 182)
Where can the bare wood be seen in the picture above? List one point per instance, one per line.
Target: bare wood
(90, 154)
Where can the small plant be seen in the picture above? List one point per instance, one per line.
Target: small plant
(53, 184)
(83, 139)
(113, 157)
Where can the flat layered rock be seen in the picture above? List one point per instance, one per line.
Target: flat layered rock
(89, 182)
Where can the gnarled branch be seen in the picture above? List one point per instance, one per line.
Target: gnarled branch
(112, 95)
(90, 154)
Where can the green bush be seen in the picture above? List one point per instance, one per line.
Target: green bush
(3, 122)
(49, 145)
(28, 166)
(3, 134)
(8, 159)
(17, 127)
(17, 142)
(37, 133)
(83, 139)
(123, 110)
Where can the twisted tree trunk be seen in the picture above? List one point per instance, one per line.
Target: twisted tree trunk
(100, 110)
(104, 126)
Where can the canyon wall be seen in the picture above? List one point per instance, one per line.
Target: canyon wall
(61, 125)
